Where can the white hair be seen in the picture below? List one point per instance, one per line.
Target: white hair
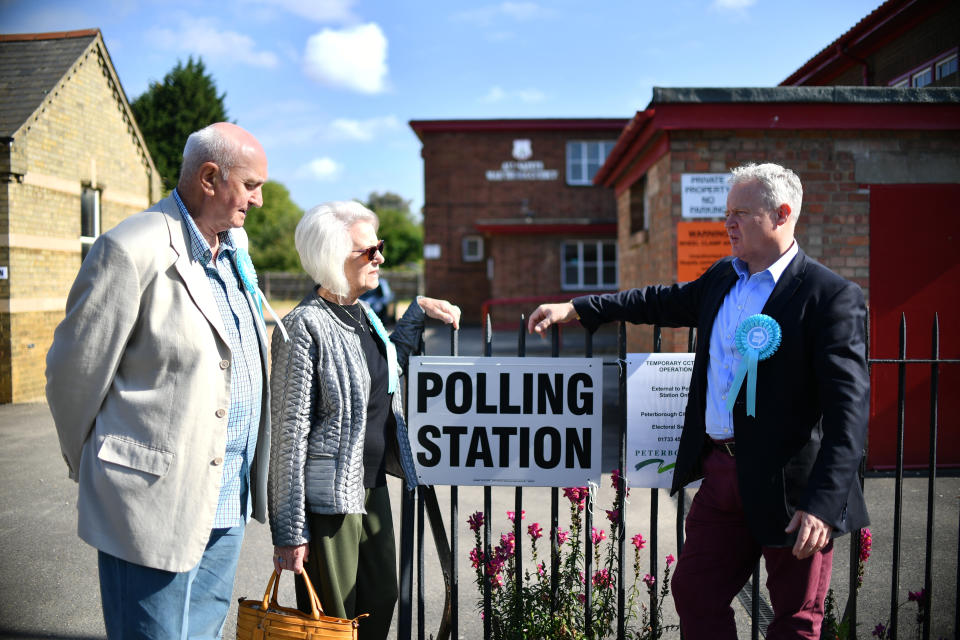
(209, 145)
(323, 241)
(779, 185)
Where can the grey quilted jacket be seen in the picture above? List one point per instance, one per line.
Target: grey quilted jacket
(320, 386)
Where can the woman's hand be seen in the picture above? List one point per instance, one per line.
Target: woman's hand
(441, 310)
(291, 558)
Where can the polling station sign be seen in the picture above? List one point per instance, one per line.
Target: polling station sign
(506, 421)
(657, 389)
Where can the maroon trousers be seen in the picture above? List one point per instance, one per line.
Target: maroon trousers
(718, 558)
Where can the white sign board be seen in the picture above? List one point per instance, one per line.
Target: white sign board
(704, 195)
(431, 252)
(506, 421)
(657, 388)
(3, 273)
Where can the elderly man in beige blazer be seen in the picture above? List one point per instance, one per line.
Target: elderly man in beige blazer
(157, 384)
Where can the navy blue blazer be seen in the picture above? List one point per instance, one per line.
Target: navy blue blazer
(803, 448)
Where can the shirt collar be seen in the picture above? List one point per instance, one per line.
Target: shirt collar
(775, 270)
(199, 247)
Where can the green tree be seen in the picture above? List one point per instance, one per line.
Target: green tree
(402, 233)
(271, 228)
(169, 111)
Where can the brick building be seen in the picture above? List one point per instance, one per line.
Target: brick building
(72, 165)
(903, 43)
(881, 174)
(510, 211)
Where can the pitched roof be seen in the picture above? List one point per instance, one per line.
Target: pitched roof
(31, 65)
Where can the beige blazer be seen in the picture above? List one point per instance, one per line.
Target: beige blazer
(138, 382)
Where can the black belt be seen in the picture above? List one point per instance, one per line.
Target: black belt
(728, 447)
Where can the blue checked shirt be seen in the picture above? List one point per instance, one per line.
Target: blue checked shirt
(246, 378)
(746, 298)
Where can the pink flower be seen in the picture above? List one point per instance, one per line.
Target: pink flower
(613, 515)
(598, 535)
(535, 531)
(582, 598)
(577, 496)
(879, 631)
(476, 557)
(475, 521)
(562, 535)
(638, 541)
(650, 580)
(670, 559)
(866, 544)
(512, 514)
(602, 579)
(917, 596)
(496, 581)
(542, 569)
(508, 545)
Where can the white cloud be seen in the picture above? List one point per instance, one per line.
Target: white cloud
(322, 11)
(354, 58)
(528, 96)
(733, 5)
(324, 169)
(496, 94)
(362, 130)
(487, 15)
(199, 36)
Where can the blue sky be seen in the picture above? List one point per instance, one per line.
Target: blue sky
(329, 86)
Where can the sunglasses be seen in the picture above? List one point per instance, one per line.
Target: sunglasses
(371, 251)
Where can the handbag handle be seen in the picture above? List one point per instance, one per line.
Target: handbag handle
(274, 583)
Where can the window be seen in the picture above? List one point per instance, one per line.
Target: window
(89, 219)
(638, 206)
(589, 264)
(472, 248)
(902, 84)
(947, 67)
(921, 78)
(584, 158)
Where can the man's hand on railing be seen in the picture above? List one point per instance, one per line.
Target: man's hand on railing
(548, 314)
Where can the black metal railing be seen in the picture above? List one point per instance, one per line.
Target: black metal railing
(424, 502)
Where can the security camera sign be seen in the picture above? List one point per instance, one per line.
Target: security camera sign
(506, 421)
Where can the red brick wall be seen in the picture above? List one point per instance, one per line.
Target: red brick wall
(458, 195)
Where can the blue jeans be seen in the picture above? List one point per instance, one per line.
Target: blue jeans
(152, 604)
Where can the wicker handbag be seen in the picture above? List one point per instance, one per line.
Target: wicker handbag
(267, 620)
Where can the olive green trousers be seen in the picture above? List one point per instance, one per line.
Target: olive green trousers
(353, 565)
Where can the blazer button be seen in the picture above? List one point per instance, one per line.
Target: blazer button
(224, 364)
(217, 461)
(221, 413)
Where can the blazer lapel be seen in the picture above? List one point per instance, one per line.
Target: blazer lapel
(790, 280)
(192, 273)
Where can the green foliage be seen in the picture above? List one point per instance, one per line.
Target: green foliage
(402, 233)
(271, 230)
(169, 111)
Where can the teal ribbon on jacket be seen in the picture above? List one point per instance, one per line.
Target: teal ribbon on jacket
(393, 368)
(248, 276)
(757, 338)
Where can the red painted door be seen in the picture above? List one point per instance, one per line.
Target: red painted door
(914, 271)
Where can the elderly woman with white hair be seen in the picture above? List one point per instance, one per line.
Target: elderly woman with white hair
(337, 421)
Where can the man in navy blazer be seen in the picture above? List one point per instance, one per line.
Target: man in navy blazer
(779, 464)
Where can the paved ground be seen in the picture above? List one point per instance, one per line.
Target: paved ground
(48, 579)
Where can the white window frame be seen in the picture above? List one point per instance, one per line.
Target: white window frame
(472, 256)
(580, 285)
(605, 146)
(87, 241)
(917, 74)
(942, 63)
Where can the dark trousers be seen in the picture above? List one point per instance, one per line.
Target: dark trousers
(353, 565)
(718, 558)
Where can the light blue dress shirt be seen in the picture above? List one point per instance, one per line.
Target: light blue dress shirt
(246, 377)
(746, 298)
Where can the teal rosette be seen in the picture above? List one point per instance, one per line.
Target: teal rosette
(757, 338)
(248, 276)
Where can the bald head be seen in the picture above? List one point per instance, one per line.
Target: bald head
(223, 143)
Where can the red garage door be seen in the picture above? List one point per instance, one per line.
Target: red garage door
(914, 270)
